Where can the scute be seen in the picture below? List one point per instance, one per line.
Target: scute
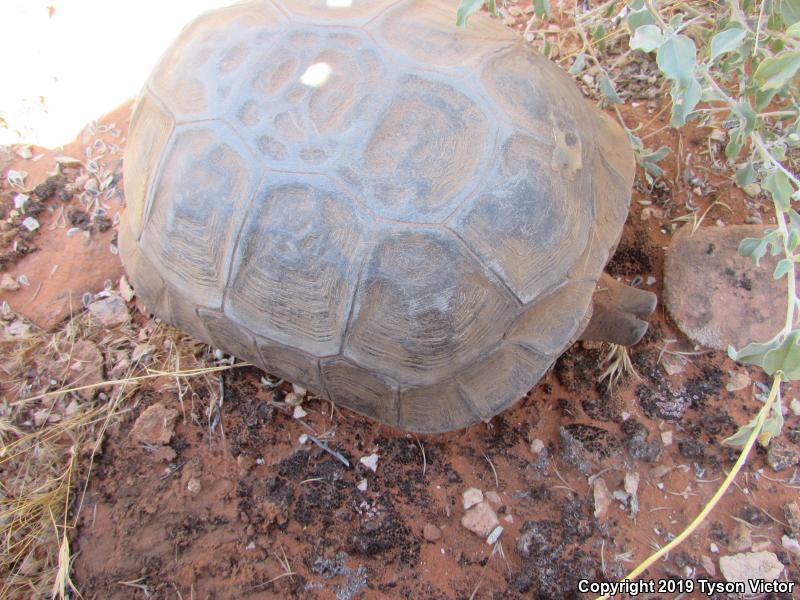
(425, 33)
(424, 154)
(149, 131)
(532, 224)
(436, 408)
(201, 196)
(424, 308)
(296, 266)
(291, 364)
(230, 336)
(195, 75)
(340, 12)
(361, 390)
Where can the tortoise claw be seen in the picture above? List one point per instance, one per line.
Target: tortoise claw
(616, 307)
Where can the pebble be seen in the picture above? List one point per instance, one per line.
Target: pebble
(708, 565)
(156, 425)
(30, 223)
(666, 437)
(299, 413)
(370, 461)
(480, 519)
(194, 486)
(750, 565)
(795, 406)
(431, 533)
(495, 535)
(362, 485)
(792, 513)
(471, 497)
(602, 497)
(738, 381)
(791, 544)
(537, 446)
(494, 498)
(781, 456)
(110, 311)
(8, 283)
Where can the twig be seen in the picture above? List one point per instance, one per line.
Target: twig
(327, 449)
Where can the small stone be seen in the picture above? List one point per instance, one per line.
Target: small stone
(738, 381)
(8, 283)
(750, 565)
(602, 497)
(371, 462)
(471, 497)
(795, 406)
(494, 498)
(194, 486)
(537, 446)
(741, 538)
(299, 413)
(155, 425)
(362, 485)
(110, 311)
(666, 437)
(673, 364)
(125, 289)
(708, 565)
(431, 533)
(650, 280)
(792, 513)
(631, 485)
(30, 223)
(791, 544)
(299, 389)
(713, 548)
(480, 519)
(752, 189)
(495, 535)
(781, 456)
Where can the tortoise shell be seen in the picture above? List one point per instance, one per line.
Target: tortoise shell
(406, 217)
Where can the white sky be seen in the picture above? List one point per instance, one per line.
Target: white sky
(59, 72)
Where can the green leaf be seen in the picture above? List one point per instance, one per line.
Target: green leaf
(599, 36)
(785, 357)
(647, 38)
(746, 174)
(764, 97)
(775, 71)
(735, 143)
(794, 240)
(465, 9)
(638, 18)
(755, 248)
(790, 11)
(492, 6)
(607, 87)
(677, 58)
(752, 354)
(684, 100)
(742, 435)
(782, 268)
(778, 185)
(745, 111)
(794, 30)
(773, 424)
(579, 64)
(726, 41)
(542, 8)
(659, 154)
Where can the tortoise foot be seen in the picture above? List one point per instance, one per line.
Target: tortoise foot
(616, 308)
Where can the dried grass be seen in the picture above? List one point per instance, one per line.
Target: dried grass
(51, 431)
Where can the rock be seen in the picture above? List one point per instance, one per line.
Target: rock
(125, 289)
(631, 485)
(602, 497)
(792, 513)
(708, 565)
(537, 446)
(781, 455)
(717, 297)
(494, 498)
(8, 283)
(431, 533)
(480, 519)
(636, 441)
(299, 413)
(750, 565)
(194, 486)
(370, 461)
(738, 381)
(795, 406)
(582, 445)
(155, 425)
(791, 544)
(666, 437)
(471, 497)
(84, 368)
(741, 539)
(673, 364)
(495, 535)
(110, 311)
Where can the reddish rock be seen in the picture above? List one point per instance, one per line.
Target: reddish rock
(155, 425)
(718, 297)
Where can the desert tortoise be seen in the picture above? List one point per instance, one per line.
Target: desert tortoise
(406, 217)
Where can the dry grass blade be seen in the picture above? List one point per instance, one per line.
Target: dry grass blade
(617, 363)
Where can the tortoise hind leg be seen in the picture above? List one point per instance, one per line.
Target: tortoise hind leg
(616, 307)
